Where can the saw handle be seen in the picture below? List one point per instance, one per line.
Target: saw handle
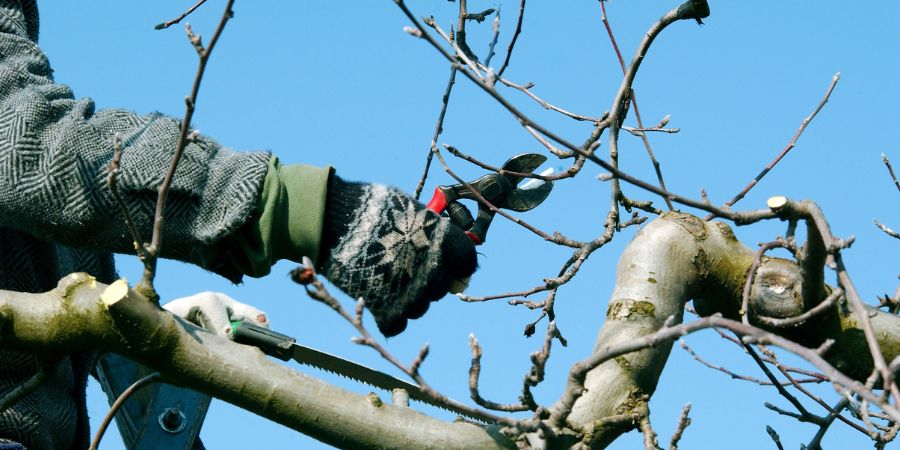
(270, 342)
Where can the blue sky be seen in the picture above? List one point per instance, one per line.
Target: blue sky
(339, 83)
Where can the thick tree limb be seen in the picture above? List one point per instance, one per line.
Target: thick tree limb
(81, 314)
(677, 258)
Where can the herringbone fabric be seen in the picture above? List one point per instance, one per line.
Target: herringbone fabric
(58, 216)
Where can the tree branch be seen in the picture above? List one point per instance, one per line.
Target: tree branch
(82, 314)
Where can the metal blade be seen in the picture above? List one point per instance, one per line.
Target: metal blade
(367, 375)
(524, 163)
(526, 199)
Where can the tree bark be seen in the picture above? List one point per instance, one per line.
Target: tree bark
(678, 258)
(81, 314)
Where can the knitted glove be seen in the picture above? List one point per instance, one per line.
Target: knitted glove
(380, 244)
(214, 312)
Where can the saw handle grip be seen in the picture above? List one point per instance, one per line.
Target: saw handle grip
(270, 342)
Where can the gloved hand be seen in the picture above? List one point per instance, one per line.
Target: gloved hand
(214, 312)
(383, 246)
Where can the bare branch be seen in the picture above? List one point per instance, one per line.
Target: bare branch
(890, 169)
(316, 290)
(790, 144)
(112, 182)
(512, 42)
(797, 320)
(887, 230)
(637, 113)
(438, 129)
(153, 250)
(775, 438)
(684, 421)
(178, 19)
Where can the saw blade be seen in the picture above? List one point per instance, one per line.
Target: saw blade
(363, 374)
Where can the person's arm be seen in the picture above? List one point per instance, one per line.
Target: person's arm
(232, 213)
(54, 152)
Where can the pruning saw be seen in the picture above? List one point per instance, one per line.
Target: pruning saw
(285, 347)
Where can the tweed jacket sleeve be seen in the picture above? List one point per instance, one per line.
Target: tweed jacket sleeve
(54, 152)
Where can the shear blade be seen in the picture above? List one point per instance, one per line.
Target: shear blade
(525, 199)
(524, 163)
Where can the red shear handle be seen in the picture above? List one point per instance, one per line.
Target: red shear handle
(438, 202)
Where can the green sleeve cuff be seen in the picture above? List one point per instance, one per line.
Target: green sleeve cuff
(288, 219)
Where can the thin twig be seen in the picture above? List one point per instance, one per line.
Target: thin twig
(743, 218)
(825, 305)
(185, 136)
(749, 333)
(887, 230)
(811, 213)
(178, 19)
(526, 89)
(306, 276)
(751, 274)
(637, 113)
(641, 131)
(438, 129)
(684, 421)
(112, 182)
(815, 443)
(474, 376)
(137, 385)
(775, 438)
(805, 415)
(737, 376)
(495, 26)
(890, 169)
(650, 440)
(789, 146)
(512, 42)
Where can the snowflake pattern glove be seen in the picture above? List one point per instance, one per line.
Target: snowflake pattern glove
(380, 244)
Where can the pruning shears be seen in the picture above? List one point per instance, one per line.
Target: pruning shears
(499, 189)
